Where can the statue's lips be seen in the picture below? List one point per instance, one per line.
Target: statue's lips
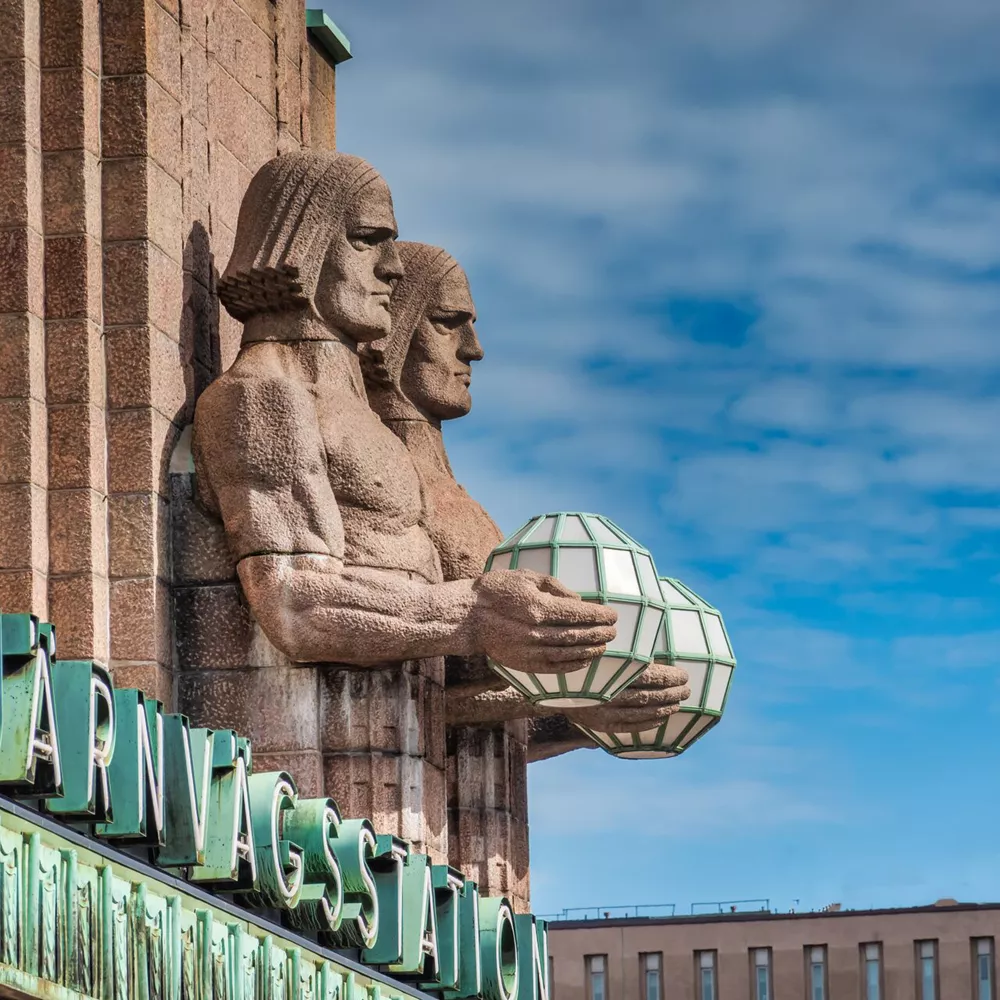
(464, 377)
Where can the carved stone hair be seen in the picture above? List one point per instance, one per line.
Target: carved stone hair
(289, 216)
(424, 268)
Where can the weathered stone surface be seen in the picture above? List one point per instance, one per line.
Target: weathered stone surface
(77, 531)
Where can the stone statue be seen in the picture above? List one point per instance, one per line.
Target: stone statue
(416, 378)
(323, 513)
(320, 500)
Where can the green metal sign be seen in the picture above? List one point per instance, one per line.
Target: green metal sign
(253, 894)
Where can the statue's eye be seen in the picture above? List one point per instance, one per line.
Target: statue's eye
(371, 237)
(450, 321)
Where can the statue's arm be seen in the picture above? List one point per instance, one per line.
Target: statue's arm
(259, 449)
(553, 735)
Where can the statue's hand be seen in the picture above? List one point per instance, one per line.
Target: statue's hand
(527, 621)
(647, 702)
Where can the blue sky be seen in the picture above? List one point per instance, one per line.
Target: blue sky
(737, 274)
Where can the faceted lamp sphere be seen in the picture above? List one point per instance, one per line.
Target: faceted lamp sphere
(693, 637)
(594, 557)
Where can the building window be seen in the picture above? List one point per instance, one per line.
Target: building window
(705, 962)
(982, 968)
(871, 955)
(761, 973)
(816, 972)
(651, 975)
(927, 970)
(597, 977)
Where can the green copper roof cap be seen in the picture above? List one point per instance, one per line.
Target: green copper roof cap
(329, 37)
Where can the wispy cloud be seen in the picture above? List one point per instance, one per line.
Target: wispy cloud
(737, 272)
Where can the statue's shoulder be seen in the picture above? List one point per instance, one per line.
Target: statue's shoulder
(252, 390)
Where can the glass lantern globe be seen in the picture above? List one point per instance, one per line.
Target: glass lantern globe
(694, 637)
(594, 557)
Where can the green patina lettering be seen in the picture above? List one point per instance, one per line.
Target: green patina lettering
(230, 858)
(273, 797)
(498, 948)
(111, 761)
(449, 889)
(314, 826)
(86, 738)
(391, 856)
(29, 750)
(419, 925)
(354, 849)
(136, 771)
(187, 776)
(532, 952)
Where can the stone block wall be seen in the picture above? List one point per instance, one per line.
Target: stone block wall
(129, 130)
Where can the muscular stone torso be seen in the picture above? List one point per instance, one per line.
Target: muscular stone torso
(374, 482)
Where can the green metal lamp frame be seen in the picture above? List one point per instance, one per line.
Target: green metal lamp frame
(582, 688)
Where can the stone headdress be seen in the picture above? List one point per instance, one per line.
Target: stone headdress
(382, 361)
(291, 212)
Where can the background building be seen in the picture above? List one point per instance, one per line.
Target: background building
(941, 952)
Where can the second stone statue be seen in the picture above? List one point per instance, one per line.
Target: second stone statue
(324, 514)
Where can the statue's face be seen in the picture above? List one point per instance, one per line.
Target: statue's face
(438, 370)
(361, 266)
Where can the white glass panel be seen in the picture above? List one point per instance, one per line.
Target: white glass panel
(578, 569)
(597, 963)
(983, 946)
(577, 680)
(926, 949)
(573, 530)
(717, 686)
(686, 633)
(501, 561)
(871, 952)
(540, 560)
(651, 620)
(662, 648)
(625, 739)
(698, 728)
(761, 957)
(676, 725)
(605, 739)
(817, 955)
(548, 682)
(697, 672)
(517, 536)
(707, 960)
(543, 533)
(647, 576)
(619, 573)
(602, 532)
(526, 680)
(606, 669)
(717, 636)
(633, 670)
(672, 595)
(653, 961)
(628, 618)
(648, 736)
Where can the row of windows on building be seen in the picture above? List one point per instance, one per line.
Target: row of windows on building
(817, 975)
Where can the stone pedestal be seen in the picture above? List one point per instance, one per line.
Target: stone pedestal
(383, 740)
(488, 808)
